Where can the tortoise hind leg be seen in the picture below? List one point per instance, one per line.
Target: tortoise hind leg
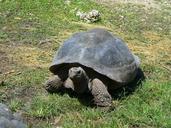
(53, 84)
(100, 93)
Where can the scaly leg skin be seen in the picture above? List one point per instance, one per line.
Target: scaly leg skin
(53, 84)
(102, 98)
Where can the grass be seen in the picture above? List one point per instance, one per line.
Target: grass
(32, 31)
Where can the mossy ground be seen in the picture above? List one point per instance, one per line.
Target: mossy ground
(32, 31)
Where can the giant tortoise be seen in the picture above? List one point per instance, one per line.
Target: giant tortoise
(94, 61)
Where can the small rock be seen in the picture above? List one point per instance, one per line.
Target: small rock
(5, 123)
(9, 120)
(89, 17)
(5, 111)
(18, 124)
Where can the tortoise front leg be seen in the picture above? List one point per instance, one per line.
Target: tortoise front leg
(100, 93)
(53, 84)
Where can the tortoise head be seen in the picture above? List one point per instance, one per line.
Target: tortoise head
(76, 73)
(79, 78)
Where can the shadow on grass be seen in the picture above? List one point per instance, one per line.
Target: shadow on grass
(130, 88)
(118, 94)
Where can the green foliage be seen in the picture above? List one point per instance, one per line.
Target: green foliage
(16, 104)
(53, 105)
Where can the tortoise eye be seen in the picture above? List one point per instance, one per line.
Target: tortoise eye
(79, 72)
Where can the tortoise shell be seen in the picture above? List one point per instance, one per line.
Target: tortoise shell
(100, 51)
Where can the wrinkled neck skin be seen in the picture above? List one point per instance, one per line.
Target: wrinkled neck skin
(82, 80)
(81, 84)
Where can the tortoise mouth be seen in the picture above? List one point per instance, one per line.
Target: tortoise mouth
(75, 77)
(76, 73)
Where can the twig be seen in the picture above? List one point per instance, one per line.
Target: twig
(167, 68)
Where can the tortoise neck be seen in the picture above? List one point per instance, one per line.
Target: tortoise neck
(81, 80)
(81, 85)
